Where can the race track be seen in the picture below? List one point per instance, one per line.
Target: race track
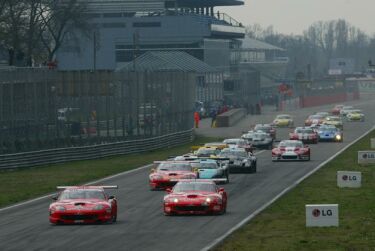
(141, 223)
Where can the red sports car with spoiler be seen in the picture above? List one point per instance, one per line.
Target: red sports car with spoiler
(291, 150)
(304, 134)
(195, 197)
(83, 204)
(168, 173)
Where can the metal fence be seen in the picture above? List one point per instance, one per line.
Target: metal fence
(44, 109)
(61, 155)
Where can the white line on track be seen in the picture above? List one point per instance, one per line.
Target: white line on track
(256, 212)
(90, 183)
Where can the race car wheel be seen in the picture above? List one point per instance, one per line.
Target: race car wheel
(254, 168)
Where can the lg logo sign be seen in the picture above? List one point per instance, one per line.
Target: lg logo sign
(366, 157)
(323, 215)
(317, 212)
(349, 178)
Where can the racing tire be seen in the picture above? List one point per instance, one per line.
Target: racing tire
(254, 168)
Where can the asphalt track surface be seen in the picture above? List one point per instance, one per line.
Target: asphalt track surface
(141, 223)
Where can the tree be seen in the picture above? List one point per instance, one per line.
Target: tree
(60, 21)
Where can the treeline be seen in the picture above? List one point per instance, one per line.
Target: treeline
(319, 43)
(31, 31)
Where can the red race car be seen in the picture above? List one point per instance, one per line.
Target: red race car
(305, 134)
(314, 119)
(336, 110)
(291, 150)
(168, 173)
(83, 204)
(195, 197)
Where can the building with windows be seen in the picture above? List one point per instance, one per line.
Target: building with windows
(269, 60)
(124, 30)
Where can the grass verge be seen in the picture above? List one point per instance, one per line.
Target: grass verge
(22, 184)
(282, 225)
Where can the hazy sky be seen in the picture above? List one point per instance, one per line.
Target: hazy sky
(293, 16)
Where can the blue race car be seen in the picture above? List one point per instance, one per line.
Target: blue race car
(330, 133)
(211, 169)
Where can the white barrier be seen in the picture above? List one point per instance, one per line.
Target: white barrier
(324, 215)
(366, 157)
(349, 179)
(373, 143)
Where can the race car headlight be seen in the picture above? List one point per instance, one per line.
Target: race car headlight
(98, 207)
(174, 200)
(208, 200)
(338, 137)
(59, 209)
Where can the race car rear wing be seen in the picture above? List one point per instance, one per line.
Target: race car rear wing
(103, 187)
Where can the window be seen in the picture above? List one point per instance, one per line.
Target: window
(114, 25)
(147, 24)
(112, 15)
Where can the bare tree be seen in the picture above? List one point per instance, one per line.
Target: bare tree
(59, 21)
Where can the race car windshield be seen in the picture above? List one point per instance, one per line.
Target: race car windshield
(204, 165)
(206, 151)
(290, 144)
(259, 136)
(262, 128)
(315, 117)
(329, 129)
(174, 167)
(231, 142)
(333, 118)
(304, 131)
(81, 194)
(283, 117)
(186, 187)
(228, 154)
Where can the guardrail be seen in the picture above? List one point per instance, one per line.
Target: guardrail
(62, 155)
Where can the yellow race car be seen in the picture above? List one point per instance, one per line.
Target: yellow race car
(335, 121)
(207, 151)
(283, 120)
(355, 115)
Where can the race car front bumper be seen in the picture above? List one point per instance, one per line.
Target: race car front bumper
(80, 217)
(192, 208)
(291, 157)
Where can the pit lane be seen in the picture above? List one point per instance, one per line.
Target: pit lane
(142, 225)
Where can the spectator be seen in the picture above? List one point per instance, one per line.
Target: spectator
(213, 116)
(196, 119)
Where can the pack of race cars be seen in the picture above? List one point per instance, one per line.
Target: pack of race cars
(191, 180)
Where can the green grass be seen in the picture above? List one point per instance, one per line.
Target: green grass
(282, 225)
(27, 183)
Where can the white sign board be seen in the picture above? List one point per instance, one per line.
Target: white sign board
(366, 157)
(349, 179)
(323, 215)
(373, 143)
